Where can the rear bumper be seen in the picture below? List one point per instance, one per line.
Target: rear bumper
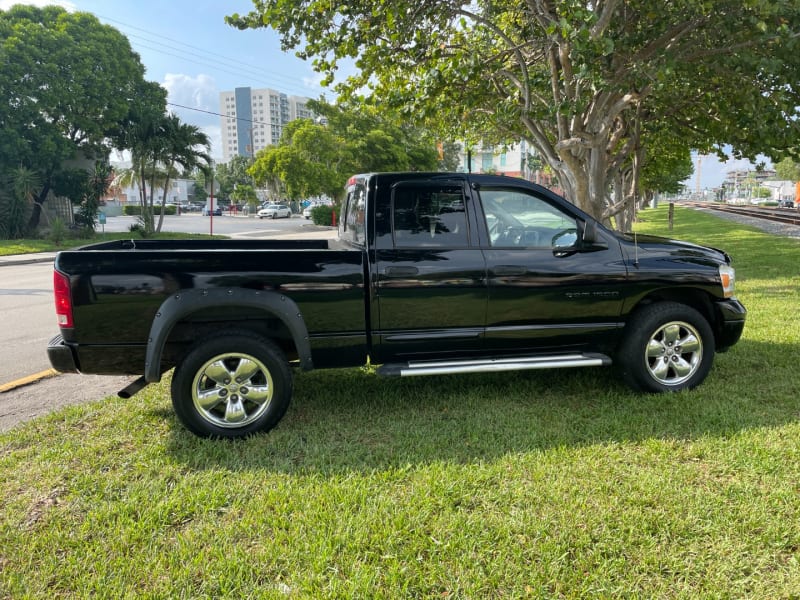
(731, 315)
(62, 356)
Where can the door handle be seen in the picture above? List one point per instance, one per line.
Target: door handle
(401, 271)
(508, 270)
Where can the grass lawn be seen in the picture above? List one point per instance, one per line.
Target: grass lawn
(551, 484)
(28, 246)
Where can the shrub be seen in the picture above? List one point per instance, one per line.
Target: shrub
(322, 214)
(58, 231)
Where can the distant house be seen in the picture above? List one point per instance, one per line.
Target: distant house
(781, 189)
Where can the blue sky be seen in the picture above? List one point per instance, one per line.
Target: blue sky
(187, 47)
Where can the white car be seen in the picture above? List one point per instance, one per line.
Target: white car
(275, 211)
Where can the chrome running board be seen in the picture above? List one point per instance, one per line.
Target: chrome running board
(489, 365)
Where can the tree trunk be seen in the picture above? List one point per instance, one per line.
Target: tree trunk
(36, 212)
(163, 206)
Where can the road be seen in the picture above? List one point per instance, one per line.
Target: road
(29, 319)
(26, 303)
(236, 226)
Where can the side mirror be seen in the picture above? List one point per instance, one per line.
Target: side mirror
(590, 240)
(589, 232)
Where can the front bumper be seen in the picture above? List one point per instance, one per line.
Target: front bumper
(731, 315)
(62, 356)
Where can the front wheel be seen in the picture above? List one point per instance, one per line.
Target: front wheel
(667, 347)
(232, 385)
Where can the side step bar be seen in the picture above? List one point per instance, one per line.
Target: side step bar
(518, 363)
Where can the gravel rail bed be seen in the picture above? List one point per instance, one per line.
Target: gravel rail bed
(762, 224)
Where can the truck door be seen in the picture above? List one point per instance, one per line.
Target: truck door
(430, 280)
(544, 290)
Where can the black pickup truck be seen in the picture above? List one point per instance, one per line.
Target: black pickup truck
(432, 273)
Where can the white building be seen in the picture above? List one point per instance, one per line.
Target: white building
(500, 160)
(254, 118)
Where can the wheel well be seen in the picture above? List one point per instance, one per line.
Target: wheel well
(697, 299)
(205, 323)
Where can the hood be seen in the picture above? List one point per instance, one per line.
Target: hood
(652, 246)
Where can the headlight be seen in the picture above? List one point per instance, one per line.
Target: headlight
(727, 276)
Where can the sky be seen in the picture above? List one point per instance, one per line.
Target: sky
(186, 46)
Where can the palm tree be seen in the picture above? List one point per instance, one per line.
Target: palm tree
(143, 135)
(17, 197)
(159, 144)
(181, 142)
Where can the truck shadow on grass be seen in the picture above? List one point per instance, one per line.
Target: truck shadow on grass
(354, 420)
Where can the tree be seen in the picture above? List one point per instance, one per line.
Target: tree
(232, 174)
(316, 157)
(788, 170)
(575, 78)
(180, 148)
(17, 194)
(96, 185)
(141, 132)
(66, 82)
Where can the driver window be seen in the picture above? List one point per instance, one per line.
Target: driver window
(520, 220)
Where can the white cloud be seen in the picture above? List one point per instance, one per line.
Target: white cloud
(6, 4)
(193, 98)
(196, 100)
(214, 134)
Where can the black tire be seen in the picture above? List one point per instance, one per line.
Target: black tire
(211, 403)
(666, 347)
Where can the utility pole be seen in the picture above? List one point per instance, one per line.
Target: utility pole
(698, 171)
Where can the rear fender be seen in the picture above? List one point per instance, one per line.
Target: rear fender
(180, 305)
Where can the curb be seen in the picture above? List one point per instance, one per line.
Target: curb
(22, 381)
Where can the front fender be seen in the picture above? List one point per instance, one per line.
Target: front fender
(185, 302)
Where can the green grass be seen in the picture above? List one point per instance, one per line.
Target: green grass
(552, 484)
(28, 246)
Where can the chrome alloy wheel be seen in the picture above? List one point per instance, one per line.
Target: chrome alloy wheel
(674, 353)
(232, 390)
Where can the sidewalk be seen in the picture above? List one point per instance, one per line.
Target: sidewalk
(27, 259)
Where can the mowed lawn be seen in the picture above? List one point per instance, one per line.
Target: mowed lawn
(550, 484)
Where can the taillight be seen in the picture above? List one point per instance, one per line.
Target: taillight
(63, 299)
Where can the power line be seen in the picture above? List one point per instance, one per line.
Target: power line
(228, 63)
(216, 114)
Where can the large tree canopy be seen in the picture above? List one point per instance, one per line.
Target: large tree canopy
(317, 157)
(578, 79)
(66, 83)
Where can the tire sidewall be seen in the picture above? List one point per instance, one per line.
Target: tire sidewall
(631, 358)
(234, 342)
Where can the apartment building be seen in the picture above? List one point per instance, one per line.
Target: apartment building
(254, 118)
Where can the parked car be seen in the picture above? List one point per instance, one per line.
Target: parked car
(217, 211)
(307, 210)
(275, 211)
(786, 204)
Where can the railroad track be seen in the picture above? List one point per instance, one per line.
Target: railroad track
(789, 216)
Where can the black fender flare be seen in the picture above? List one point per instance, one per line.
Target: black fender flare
(185, 302)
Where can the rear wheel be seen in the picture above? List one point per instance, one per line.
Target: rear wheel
(667, 347)
(232, 385)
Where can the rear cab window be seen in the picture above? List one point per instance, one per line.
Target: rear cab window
(429, 215)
